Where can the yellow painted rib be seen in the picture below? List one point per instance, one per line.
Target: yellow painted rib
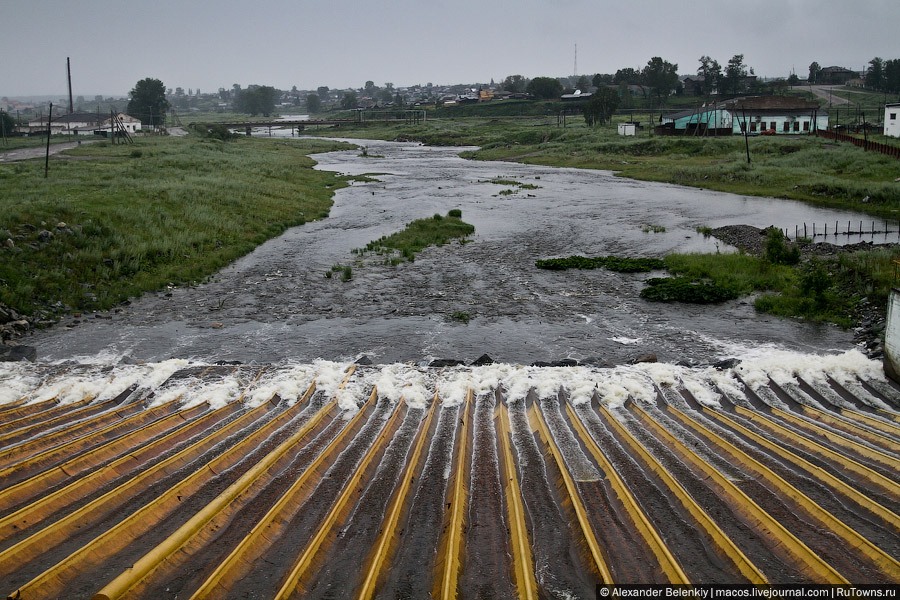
(119, 586)
(864, 547)
(38, 510)
(824, 476)
(523, 562)
(216, 582)
(136, 523)
(600, 562)
(812, 564)
(451, 555)
(302, 564)
(667, 562)
(848, 464)
(76, 465)
(837, 439)
(888, 428)
(850, 426)
(27, 425)
(72, 438)
(385, 543)
(721, 541)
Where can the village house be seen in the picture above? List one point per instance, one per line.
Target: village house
(70, 124)
(891, 122)
(765, 115)
(82, 123)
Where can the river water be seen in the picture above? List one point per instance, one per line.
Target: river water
(276, 304)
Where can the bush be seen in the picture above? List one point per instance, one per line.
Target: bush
(455, 213)
(779, 252)
(684, 289)
(613, 263)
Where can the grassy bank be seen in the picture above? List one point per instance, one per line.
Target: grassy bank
(807, 168)
(113, 221)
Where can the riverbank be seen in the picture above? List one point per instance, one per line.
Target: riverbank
(807, 168)
(112, 222)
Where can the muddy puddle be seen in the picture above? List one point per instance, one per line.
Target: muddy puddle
(277, 303)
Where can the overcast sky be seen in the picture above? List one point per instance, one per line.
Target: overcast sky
(343, 43)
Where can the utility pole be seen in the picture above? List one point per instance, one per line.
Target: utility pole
(47, 156)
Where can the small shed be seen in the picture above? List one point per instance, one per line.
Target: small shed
(627, 129)
(891, 122)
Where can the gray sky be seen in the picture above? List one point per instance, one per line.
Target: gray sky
(343, 43)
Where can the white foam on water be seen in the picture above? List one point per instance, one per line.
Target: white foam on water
(17, 379)
(453, 385)
(288, 383)
(703, 393)
(626, 341)
(403, 381)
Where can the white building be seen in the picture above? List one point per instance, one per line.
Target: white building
(891, 120)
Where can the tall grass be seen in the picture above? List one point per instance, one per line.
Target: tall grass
(420, 234)
(119, 222)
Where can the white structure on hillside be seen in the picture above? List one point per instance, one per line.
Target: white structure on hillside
(891, 120)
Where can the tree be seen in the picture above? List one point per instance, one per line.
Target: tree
(814, 70)
(148, 102)
(256, 99)
(628, 76)
(582, 83)
(514, 84)
(661, 76)
(349, 101)
(600, 80)
(544, 88)
(601, 106)
(370, 89)
(323, 90)
(711, 72)
(7, 123)
(313, 103)
(875, 74)
(892, 75)
(735, 73)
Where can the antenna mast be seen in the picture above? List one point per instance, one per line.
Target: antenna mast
(576, 61)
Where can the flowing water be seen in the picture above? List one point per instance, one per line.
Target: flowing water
(276, 304)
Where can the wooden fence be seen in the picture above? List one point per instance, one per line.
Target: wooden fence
(864, 144)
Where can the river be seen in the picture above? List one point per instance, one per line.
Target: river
(276, 304)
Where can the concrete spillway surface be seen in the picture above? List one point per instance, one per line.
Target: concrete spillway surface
(326, 480)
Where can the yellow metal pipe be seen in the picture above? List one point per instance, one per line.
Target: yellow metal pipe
(523, 562)
(827, 478)
(667, 562)
(452, 546)
(811, 563)
(723, 543)
(848, 464)
(863, 546)
(215, 583)
(119, 586)
(600, 561)
(302, 564)
(388, 528)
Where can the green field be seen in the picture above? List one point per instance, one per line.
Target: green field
(113, 221)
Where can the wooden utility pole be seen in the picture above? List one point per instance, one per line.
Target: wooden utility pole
(47, 156)
(746, 134)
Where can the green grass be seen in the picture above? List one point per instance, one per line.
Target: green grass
(126, 219)
(420, 234)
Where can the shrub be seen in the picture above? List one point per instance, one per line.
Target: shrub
(779, 252)
(455, 213)
(684, 289)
